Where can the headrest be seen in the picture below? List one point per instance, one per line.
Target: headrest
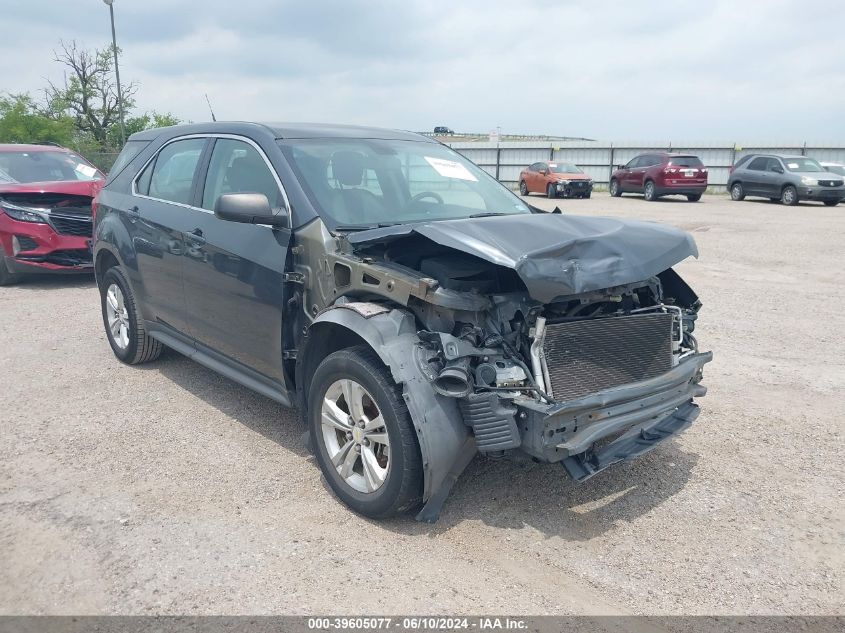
(348, 168)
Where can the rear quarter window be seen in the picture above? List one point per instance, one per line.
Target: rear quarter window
(127, 154)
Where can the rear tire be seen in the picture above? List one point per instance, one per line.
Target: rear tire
(523, 188)
(588, 195)
(831, 203)
(615, 189)
(124, 326)
(550, 191)
(695, 197)
(789, 196)
(649, 191)
(7, 277)
(737, 192)
(365, 487)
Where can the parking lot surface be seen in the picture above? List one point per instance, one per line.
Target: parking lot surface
(166, 488)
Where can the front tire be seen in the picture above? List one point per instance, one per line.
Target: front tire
(550, 191)
(124, 326)
(789, 196)
(831, 203)
(649, 191)
(694, 197)
(523, 188)
(737, 192)
(615, 189)
(363, 435)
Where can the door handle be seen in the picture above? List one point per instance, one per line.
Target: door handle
(133, 214)
(196, 237)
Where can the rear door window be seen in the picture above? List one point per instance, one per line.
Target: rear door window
(172, 175)
(759, 164)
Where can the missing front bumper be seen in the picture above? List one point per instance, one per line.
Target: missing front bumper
(631, 444)
(636, 417)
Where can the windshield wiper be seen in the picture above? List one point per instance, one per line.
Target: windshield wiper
(355, 227)
(488, 214)
(365, 227)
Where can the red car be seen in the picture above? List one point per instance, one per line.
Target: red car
(661, 174)
(555, 179)
(45, 210)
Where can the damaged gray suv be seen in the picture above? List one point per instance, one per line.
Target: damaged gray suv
(413, 309)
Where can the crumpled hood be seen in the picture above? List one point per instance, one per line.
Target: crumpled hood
(556, 255)
(69, 187)
(572, 176)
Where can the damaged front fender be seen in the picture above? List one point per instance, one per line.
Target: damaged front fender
(446, 444)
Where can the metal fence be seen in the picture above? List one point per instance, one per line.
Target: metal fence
(504, 160)
(103, 160)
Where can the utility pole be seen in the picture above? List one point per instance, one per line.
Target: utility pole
(110, 3)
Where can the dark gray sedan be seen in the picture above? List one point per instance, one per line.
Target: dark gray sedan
(788, 179)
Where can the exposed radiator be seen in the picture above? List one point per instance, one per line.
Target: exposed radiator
(595, 354)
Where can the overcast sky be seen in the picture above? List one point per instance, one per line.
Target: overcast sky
(703, 70)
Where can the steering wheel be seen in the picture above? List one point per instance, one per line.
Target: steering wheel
(427, 194)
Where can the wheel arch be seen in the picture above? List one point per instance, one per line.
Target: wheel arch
(392, 334)
(104, 260)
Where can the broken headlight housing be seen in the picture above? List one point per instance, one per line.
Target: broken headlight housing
(22, 214)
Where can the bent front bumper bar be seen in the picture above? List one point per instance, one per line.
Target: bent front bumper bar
(633, 418)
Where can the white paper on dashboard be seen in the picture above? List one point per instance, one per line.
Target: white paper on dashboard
(85, 170)
(450, 169)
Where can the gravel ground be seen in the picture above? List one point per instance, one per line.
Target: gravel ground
(168, 489)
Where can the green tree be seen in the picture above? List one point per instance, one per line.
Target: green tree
(23, 121)
(146, 121)
(88, 92)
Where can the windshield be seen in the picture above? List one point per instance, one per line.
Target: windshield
(45, 166)
(564, 168)
(365, 183)
(802, 164)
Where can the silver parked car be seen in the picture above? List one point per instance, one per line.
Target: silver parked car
(834, 168)
(789, 179)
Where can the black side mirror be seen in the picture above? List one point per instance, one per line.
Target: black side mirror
(543, 171)
(249, 208)
(620, 167)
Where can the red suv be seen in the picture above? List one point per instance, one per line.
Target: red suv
(45, 210)
(661, 174)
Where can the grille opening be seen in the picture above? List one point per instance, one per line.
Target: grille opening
(67, 222)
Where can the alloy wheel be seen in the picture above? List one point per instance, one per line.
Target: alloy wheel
(355, 435)
(788, 197)
(118, 316)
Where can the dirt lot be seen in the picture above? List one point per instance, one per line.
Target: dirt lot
(167, 489)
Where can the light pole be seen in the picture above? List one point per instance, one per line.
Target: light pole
(117, 74)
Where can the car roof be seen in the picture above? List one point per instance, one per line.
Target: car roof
(283, 130)
(31, 147)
